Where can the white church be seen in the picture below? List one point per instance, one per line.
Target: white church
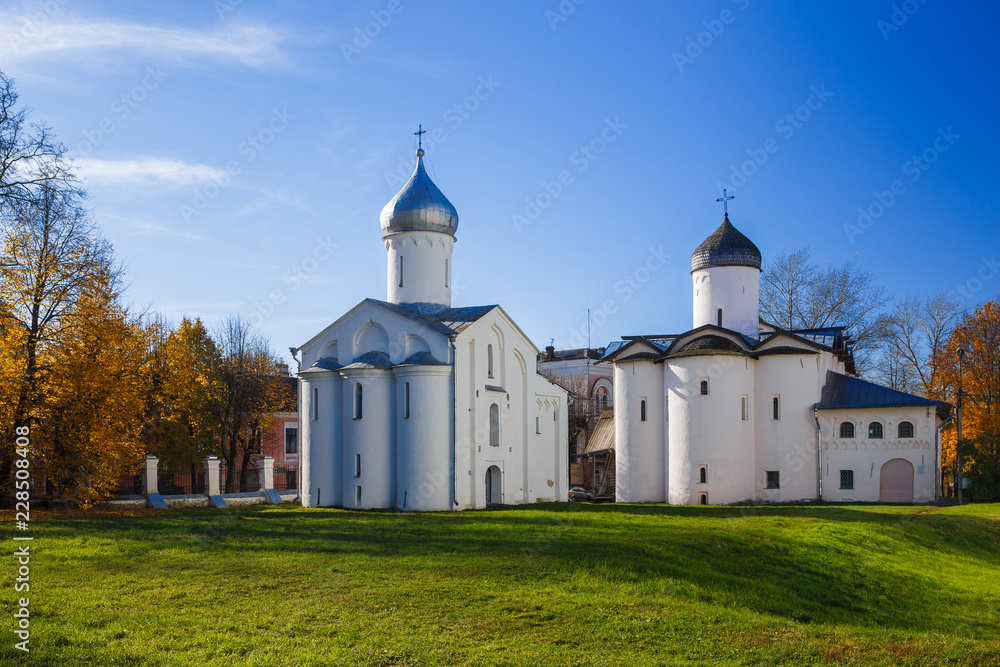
(739, 410)
(413, 404)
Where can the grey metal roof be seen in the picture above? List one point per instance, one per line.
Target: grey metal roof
(711, 343)
(422, 359)
(323, 365)
(446, 320)
(419, 206)
(372, 359)
(726, 246)
(842, 391)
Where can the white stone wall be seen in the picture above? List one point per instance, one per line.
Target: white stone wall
(423, 449)
(321, 439)
(527, 461)
(709, 430)
(866, 456)
(786, 445)
(735, 289)
(373, 437)
(640, 456)
(425, 258)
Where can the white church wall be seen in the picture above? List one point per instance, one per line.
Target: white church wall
(320, 421)
(735, 289)
(525, 469)
(423, 437)
(423, 276)
(369, 451)
(640, 457)
(708, 430)
(865, 455)
(786, 445)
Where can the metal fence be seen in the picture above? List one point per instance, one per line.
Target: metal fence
(286, 478)
(181, 482)
(129, 485)
(239, 480)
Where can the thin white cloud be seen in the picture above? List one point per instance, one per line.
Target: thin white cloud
(63, 38)
(146, 171)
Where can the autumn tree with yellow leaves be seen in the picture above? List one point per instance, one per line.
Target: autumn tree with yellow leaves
(978, 334)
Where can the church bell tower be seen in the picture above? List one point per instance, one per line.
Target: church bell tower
(418, 228)
(725, 272)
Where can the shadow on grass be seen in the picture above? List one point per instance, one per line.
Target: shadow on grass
(813, 563)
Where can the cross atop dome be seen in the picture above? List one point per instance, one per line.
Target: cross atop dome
(420, 139)
(725, 201)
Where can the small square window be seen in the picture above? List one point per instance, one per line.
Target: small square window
(773, 479)
(847, 479)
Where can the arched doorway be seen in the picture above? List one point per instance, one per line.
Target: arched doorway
(494, 487)
(896, 482)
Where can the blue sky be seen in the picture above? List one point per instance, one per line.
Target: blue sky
(238, 153)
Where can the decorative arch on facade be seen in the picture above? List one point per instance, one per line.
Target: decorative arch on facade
(329, 351)
(416, 344)
(371, 338)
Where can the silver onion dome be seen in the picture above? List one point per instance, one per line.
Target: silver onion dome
(726, 246)
(419, 206)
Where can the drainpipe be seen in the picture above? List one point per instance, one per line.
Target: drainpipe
(819, 454)
(937, 455)
(454, 415)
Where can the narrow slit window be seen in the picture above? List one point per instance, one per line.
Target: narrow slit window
(357, 465)
(489, 361)
(718, 316)
(406, 400)
(776, 408)
(538, 425)
(358, 401)
(400, 270)
(357, 496)
(494, 425)
(315, 405)
(447, 278)
(703, 475)
(745, 408)
(642, 410)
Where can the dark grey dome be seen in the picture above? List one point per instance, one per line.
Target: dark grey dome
(725, 247)
(419, 207)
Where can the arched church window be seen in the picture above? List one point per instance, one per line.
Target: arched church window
(489, 361)
(494, 425)
(702, 498)
(604, 401)
(703, 475)
(846, 430)
(904, 430)
(875, 430)
(704, 387)
(358, 400)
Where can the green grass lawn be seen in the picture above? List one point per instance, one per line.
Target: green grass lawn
(539, 585)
